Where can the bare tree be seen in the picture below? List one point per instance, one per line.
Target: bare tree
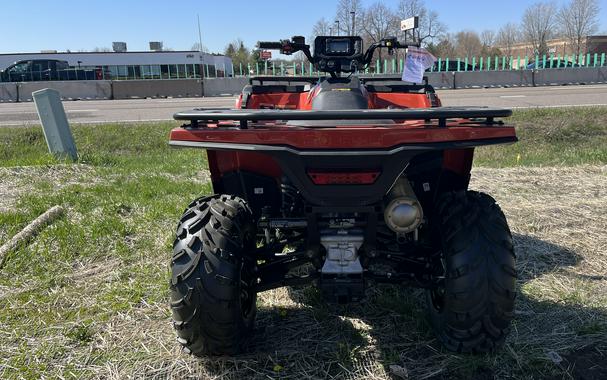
(488, 38)
(507, 37)
(321, 28)
(378, 22)
(198, 47)
(468, 43)
(445, 48)
(343, 15)
(538, 24)
(579, 19)
(430, 26)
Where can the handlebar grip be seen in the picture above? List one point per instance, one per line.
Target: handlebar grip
(269, 45)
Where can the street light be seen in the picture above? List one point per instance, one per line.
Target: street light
(337, 22)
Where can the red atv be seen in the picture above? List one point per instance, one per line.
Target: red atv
(360, 179)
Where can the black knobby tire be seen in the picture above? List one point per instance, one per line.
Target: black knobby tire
(472, 309)
(212, 300)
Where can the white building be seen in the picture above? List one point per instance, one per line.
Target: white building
(137, 65)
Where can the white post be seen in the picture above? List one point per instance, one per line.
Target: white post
(54, 123)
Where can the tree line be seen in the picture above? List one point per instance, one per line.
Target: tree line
(541, 22)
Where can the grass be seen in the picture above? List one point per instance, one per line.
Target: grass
(88, 298)
(552, 136)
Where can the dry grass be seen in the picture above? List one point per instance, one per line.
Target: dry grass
(557, 215)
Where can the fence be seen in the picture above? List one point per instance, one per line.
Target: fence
(395, 66)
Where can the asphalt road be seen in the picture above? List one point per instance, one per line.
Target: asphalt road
(100, 111)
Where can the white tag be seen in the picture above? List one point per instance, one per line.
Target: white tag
(258, 190)
(417, 61)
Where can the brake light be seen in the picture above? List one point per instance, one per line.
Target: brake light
(343, 178)
(434, 100)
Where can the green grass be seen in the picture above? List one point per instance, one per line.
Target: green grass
(555, 136)
(105, 262)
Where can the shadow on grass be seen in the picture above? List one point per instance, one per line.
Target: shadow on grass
(312, 339)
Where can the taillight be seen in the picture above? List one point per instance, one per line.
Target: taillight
(343, 178)
(434, 100)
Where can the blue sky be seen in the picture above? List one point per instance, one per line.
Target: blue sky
(76, 25)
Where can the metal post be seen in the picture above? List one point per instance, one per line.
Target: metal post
(466, 64)
(199, 34)
(54, 123)
(473, 63)
(447, 64)
(602, 59)
(596, 58)
(459, 60)
(439, 64)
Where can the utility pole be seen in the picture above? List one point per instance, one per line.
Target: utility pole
(353, 14)
(199, 34)
(337, 22)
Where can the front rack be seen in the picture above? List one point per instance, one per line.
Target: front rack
(441, 114)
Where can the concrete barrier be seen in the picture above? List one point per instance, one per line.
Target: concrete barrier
(444, 80)
(223, 86)
(161, 88)
(582, 75)
(80, 90)
(69, 90)
(8, 93)
(481, 79)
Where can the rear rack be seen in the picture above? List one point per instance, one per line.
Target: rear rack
(441, 114)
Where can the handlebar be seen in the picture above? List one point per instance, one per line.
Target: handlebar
(297, 43)
(269, 45)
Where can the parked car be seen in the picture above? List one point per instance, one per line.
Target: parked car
(44, 70)
(556, 64)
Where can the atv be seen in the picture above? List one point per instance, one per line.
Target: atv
(348, 179)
